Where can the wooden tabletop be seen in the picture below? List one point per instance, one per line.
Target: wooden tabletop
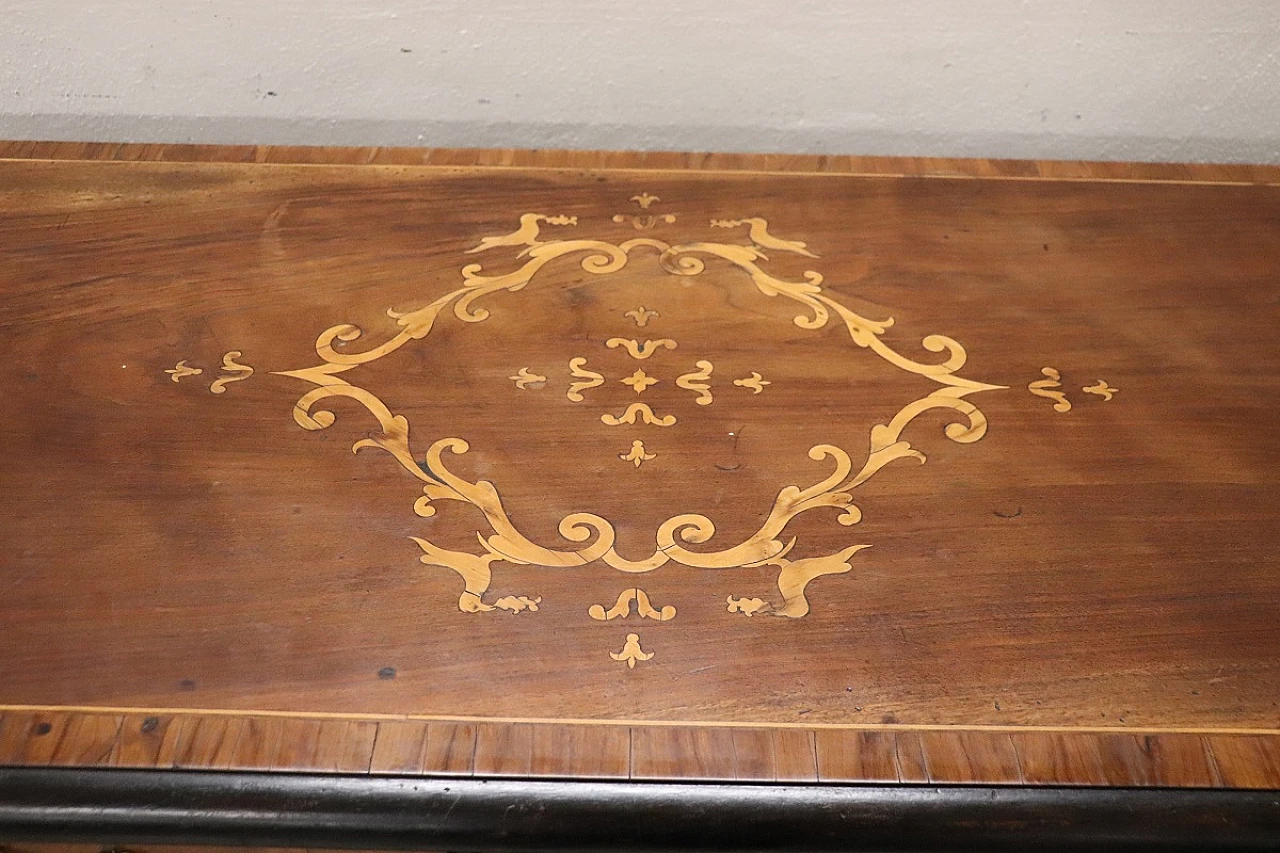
(692, 467)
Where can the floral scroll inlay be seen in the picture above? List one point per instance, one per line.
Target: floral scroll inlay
(755, 382)
(1102, 389)
(641, 315)
(645, 221)
(639, 381)
(622, 608)
(524, 379)
(182, 369)
(696, 381)
(584, 537)
(759, 235)
(1047, 388)
(747, 606)
(631, 652)
(578, 369)
(239, 372)
(639, 350)
(643, 413)
(637, 455)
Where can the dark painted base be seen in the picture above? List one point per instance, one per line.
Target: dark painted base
(126, 806)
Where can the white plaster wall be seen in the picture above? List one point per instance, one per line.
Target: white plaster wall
(1097, 79)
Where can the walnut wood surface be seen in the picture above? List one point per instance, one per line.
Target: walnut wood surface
(1098, 587)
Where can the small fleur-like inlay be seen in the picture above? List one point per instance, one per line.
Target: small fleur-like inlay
(636, 455)
(639, 381)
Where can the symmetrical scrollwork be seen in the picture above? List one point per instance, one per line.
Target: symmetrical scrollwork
(640, 315)
(631, 652)
(622, 608)
(637, 455)
(587, 537)
(639, 381)
(641, 411)
(639, 350)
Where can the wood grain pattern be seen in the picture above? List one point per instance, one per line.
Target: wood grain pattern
(298, 745)
(399, 747)
(1096, 583)
(451, 749)
(754, 756)
(259, 742)
(704, 161)
(149, 740)
(346, 746)
(909, 753)
(415, 747)
(208, 743)
(32, 737)
(85, 742)
(581, 752)
(795, 755)
(1172, 760)
(661, 752)
(857, 756)
(958, 757)
(503, 749)
(1241, 761)
(1060, 759)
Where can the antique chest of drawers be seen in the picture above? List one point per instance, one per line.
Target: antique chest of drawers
(483, 500)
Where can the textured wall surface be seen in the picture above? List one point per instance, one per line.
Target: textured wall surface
(1096, 79)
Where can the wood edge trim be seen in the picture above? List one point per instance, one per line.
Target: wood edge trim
(1228, 174)
(636, 723)
(129, 806)
(941, 755)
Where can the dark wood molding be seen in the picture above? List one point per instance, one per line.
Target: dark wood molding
(138, 807)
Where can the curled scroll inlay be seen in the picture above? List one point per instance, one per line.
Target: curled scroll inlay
(686, 539)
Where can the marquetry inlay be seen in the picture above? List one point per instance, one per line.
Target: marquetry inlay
(588, 538)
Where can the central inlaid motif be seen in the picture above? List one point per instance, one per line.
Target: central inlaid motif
(648, 409)
(587, 537)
